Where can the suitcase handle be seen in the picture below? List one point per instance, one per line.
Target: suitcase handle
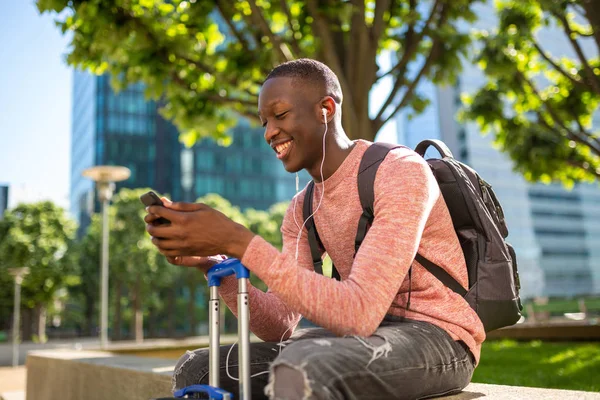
(213, 393)
(225, 268)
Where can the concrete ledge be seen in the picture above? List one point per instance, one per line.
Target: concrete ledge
(93, 375)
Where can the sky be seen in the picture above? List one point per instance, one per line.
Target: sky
(35, 105)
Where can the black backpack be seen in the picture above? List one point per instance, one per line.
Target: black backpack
(479, 223)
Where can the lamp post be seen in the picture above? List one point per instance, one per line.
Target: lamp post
(105, 177)
(19, 274)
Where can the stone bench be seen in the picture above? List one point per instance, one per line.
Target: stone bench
(95, 375)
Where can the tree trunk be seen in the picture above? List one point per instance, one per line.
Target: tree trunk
(89, 315)
(138, 313)
(192, 310)
(151, 322)
(40, 323)
(26, 318)
(171, 313)
(118, 319)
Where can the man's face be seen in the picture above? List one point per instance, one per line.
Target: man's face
(289, 114)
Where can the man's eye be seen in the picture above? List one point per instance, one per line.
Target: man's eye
(279, 116)
(264, 124)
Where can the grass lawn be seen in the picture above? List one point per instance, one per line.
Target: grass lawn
(561, 365)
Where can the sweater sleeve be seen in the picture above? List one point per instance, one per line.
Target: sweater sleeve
(405, 192)
(270, 318)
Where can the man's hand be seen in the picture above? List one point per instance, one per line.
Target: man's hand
(196, 230)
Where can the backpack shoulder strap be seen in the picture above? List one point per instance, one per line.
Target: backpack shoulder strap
(369, 164)
(314, 241)
(371, 160)
(310, 228)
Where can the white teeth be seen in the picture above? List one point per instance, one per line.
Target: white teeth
(281, 147)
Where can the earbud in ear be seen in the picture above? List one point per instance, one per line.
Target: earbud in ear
(324, 114)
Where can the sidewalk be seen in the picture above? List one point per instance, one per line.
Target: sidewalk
(12, 383)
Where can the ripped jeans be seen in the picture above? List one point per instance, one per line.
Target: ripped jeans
(403, 359)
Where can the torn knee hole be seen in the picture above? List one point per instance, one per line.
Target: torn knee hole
(288, 382)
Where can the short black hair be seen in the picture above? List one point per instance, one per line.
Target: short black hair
(312, 71)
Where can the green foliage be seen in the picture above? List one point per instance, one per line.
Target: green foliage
(267, 224)
(207, 59)
(37, 236)
(539, 105)
(538, 364)
(223, 205)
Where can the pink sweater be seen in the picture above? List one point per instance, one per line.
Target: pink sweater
(410, 216)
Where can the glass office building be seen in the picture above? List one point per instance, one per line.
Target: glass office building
(125, 129)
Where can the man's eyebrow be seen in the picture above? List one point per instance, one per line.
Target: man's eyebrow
(272, 103)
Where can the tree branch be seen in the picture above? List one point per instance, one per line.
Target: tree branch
(569, 134)
(226, 99)
(587, 168)
(286, 10)
(556, 118)
(213, 97)
(433, 55)
(228, 20)
(592, 14)
(378, 21)
(412, 40)
(557, 67)
(400, 81)
(591, 77)
(280, 47)
(412, 43)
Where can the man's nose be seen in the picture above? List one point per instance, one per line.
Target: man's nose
(271, 130)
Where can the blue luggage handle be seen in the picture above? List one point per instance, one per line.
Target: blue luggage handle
(221, 270)
(213, 393)
(224, 269)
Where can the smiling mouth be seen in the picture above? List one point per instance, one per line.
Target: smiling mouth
(283, 149)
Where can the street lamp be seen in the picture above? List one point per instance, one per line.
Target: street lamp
(19, 274)
(105, 177)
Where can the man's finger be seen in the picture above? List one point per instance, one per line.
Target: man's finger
(183, 206)
(175, 260)
(164, 212)
(160, 231)
(150, 218)
(167, 244)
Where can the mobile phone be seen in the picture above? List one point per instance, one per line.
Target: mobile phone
(152, 199)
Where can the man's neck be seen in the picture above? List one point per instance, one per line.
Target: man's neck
(337, 147)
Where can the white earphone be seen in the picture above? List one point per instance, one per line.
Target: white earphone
(324, 114)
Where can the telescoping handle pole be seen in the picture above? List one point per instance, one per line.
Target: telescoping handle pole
(215, 274)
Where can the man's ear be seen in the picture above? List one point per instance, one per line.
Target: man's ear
(328, 109)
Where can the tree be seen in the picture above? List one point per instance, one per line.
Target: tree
(37, 236)
(540, 105)
(134, 261)
(87, 256)
(207, 59)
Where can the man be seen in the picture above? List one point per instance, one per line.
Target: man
(386, 334)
